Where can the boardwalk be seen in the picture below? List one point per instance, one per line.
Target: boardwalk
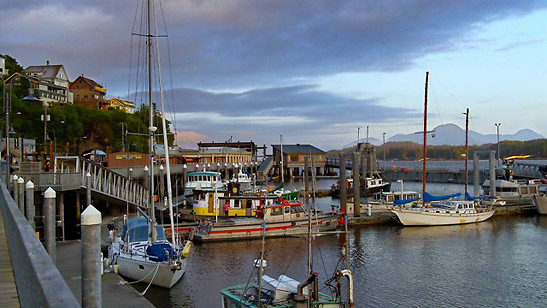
(8, 290)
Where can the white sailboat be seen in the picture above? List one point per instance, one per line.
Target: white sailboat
(433, 211)
(141, 251)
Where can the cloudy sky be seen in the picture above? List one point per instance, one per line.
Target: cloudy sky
(312, 71)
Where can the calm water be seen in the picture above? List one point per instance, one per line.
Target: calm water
(497, 263)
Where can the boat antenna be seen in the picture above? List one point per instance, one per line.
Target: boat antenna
(425, 133)
(466, 148)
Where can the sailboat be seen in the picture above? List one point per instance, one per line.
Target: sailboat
(439, 210)
(284, 292)
(142, 251)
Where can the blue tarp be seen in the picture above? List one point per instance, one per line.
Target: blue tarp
(469, 197)
(160, 252)
(401, 202)
(428, 197)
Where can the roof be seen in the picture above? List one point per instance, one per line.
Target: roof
(303, 149)
(89, 81)
(46, 71)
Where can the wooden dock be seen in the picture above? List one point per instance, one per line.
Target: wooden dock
(8, 289)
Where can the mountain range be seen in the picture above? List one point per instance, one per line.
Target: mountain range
(452, 134)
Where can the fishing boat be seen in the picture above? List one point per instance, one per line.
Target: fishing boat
(203, 180)
(368, 186)
(441, 210)
(141, 251)
(244, 180)
(285, 291)
(284, 218)
(540, 200)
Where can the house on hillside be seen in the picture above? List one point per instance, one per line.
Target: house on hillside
(87, 92)
(3, 70)
(294, 156)
(120, 104)
(50, 83)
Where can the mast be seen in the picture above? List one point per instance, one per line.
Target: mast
(151, 128)
(282, 173)
(466, 147)
(425, 132)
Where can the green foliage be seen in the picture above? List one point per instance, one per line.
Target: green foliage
(83, 128)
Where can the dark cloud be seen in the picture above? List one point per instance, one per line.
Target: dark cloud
(247, 43)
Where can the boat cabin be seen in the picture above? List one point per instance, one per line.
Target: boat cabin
(137, 230)
(512, 189)
(203, 180)
(390, 197)
(284, 211)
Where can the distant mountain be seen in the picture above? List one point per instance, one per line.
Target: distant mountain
(452, 134)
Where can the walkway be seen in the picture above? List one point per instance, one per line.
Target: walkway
(8, 290)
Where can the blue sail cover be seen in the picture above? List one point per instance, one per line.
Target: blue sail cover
(401, 202)
(471, 198)
(428, 197)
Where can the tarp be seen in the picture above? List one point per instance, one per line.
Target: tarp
(160, 252)
(471, 198)
(401, 202)
(428, 197)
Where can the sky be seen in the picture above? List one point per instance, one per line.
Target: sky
(316, 72)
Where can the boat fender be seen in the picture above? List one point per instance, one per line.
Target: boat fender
(186, 249)
(293, 223)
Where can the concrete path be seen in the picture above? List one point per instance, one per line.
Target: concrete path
(8, 289)
(113, 295)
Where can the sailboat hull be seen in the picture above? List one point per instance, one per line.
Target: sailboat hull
(432, 218)
(160, 274)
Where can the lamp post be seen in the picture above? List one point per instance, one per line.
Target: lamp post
(45, 117)
(498, 134)
(7, 107)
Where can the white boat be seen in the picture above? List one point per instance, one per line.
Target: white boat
(540, 201)
(203, 180)
(244, 180)
(139, 259)
(513, 191)
(141, 251)
(433, 212)
(441, 213)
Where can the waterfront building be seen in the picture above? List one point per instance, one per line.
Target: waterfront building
(294, 156)
(88, 92)
(50, 83)
(120, 104)
(228, 152)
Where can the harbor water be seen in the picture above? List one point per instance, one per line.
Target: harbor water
(497, 263)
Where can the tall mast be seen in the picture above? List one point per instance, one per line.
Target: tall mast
(466, 147)
(151, 128)
(425, 132)
(282, 173)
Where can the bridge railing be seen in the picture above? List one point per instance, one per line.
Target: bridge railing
(57, 181)
(39, 283)
(112, 184)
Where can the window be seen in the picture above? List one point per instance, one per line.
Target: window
(276, 211)
(287, 209)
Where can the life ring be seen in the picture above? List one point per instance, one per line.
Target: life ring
(297, 215)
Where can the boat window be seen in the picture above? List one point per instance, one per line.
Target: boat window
(237, 204)
(533, 190)
(287, 209)
(276, 211)
(524, 190)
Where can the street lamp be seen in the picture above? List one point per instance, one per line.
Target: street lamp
(7, 107)
(498, 134)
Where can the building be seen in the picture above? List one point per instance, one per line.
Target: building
(228, 152)
(3, 70)
(294, 156)
(50, 83)
(87, 92)
(120, 104)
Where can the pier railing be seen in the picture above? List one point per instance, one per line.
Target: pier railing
(70, 173)
(39, 283)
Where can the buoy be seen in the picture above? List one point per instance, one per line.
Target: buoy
(186, 249)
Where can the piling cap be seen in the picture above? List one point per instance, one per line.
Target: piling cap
(15, 177)
(20, 180)
(50, 193)
(161, 167)
(91, 216)
(88, 174)
(29, 184)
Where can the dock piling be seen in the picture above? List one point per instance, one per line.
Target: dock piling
(49, 223)
(356, 186)
(21, 194)
(91, 257)
(342, 185)
(87, 189)
(492, 161)
(476, 174)
(30, 210)
(14, 192)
